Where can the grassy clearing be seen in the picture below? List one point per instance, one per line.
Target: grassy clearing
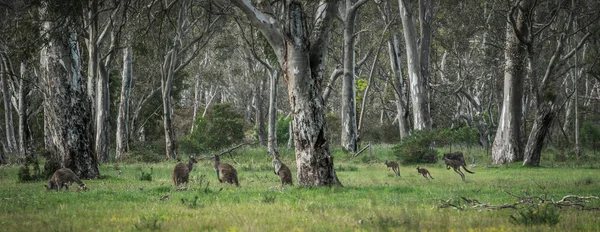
(372, 199)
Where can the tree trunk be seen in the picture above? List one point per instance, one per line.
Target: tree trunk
(507, 143)
(302, 66)
(541, 125)
(349, 126)
(398, 85)
(23, 132)
(197, 97)
(259, 116)
(426, 20)
(272, 141)
(418, 90)
(67, 118)
(122, 136)
(5, 73)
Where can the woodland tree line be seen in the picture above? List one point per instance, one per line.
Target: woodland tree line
(88, 82)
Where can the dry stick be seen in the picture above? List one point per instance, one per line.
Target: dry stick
(361, 150)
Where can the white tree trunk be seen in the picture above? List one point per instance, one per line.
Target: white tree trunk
(272, 140)
(349, 126)
(23, 123)
(507, 143)
(418, 90)
(399, 87)
(6, 96)
(122, 136)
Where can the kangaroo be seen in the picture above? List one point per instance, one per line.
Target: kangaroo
(64, 177)
(458, 156)
(424, 172)
(181, 172)
(456, 164)
(280, 169)
(394, 165)
(225, 172)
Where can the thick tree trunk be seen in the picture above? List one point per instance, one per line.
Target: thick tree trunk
(272, 141)
(313, 159)
(418, 90)
(507, 144)
(302, 68)
(122, 136)
(67, 118)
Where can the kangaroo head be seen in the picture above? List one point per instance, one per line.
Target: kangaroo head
(83, 187)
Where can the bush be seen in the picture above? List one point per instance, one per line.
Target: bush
(283, 129)
(417, 148)
(221, 127)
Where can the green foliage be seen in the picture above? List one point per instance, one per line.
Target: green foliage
(283, 129)
(590, 135)
(459, 136)
(146, 176)
(536, 215)
(268, 198)
(349, 168)
(417, 148)
(221, 127)
(25, 174)
(146, 152)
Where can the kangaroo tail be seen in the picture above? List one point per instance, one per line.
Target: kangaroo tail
(464, 167)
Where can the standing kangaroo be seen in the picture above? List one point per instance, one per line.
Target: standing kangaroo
(225, 172)
(394, 165)
(456, 164)
(181, 172)
(64, 177)
(424, 172)
(280, 169)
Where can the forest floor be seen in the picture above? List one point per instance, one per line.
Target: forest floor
(507, 198)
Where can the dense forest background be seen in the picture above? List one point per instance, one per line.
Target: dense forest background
(87, 82)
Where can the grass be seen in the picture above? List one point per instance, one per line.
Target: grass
(372, 199)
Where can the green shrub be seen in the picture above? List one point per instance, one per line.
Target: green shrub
(417, 148)
(283, 129)
(220, 128)
(146, 176)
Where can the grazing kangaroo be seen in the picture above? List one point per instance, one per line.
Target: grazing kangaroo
(456, 164)
(64, 177)
(280, 169)
(394, 165)
(225, 172)
(424, 172)
(181, 172)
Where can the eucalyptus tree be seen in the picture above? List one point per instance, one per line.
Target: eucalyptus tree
(301, 56)
(507, 146)
(67, 113)
(348, 12)
(190, 34)
(417, 56)
(566, 23)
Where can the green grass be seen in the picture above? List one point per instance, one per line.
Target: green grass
(372, 199)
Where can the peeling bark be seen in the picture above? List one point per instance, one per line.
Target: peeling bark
(67, 118)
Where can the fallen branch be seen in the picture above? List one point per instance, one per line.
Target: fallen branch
(361, 150)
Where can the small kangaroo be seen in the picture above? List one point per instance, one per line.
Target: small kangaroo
(456, 164)
(424, 172)
(225, 172)
(280, 169)
(394, 165)
(181, 172)
(64, 177)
